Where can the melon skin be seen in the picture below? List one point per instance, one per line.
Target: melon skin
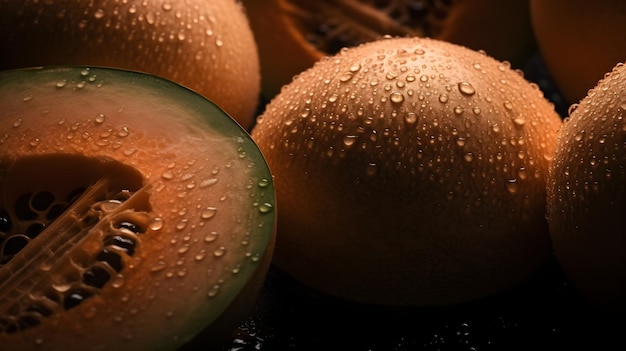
(199, 192)
(195, 43)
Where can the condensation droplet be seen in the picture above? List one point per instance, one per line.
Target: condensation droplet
(208, 213)
(466, 88)
(211, 237)
(410, 118)
(396, 97)
(99, 14)
(182, 224)
(200, 255)
(346, 77)
(219, 252)
(213, 291)
(443, 98)
(265, 207)
(512, 186)
(118, 281)
(349, 140)
(263, 183)
(159, 266)
(579, 136)
(208, 182)
(571, 109)
(371, 169)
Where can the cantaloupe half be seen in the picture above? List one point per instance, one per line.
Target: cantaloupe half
(134, 213)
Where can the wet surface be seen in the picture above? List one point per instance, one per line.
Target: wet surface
(544, 312)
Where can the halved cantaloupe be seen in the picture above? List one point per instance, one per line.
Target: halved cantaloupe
(134, 213)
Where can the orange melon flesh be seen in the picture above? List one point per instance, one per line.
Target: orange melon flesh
(170, 172)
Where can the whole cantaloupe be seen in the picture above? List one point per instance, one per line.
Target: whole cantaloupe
(410, 171)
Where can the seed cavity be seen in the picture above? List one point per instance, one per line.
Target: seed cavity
(65, 233)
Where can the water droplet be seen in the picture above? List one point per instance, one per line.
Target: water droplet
(579, 136)
(461, 141)
(208, 182)
(182, 224)
(512, 186)
(219, 252)
(519, 120)
(118, 281)
(346, 77)
(468, 157)
(522, 174)
(349, 140)
(200, 255)
(333, 98)
(571, 109)
(508, 105)
(99, 14)
(265, 208)
(123, 132)
(466, 88)
(476, 110)
(208, 213)
(458, 110)
(167, 175)
(371, 169)
(166, 6)
(17, 123)
(211, 237)
(391, 75)
(100, 118)
(396, 97)
(410, 118)
(213, 291)
(263, 183)
(443, 98)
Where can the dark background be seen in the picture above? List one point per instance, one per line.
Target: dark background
(545, 312)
